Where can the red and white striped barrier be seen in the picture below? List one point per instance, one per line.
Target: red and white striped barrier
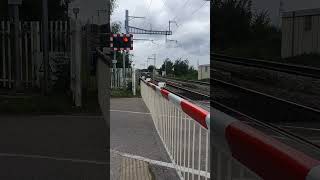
(200, 115)
(262, 154)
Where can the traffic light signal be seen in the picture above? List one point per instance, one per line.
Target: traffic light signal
(121, 42)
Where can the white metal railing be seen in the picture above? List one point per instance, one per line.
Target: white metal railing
(238, 151)
(30, 47)
(117, 79)
(186, 141)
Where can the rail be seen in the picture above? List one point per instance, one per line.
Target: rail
(276, 66)
(238, 150)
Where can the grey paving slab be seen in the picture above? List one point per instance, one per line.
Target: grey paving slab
(132, 131)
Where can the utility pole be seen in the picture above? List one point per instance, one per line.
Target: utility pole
(154, 63)
(170, 22)
(45, 43)
(135, 30)
(126, 22)
(165, 67)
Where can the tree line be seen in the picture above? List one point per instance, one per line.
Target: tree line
(238, 30)
(178, 68)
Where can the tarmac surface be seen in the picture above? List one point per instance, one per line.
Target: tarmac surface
(132, 131)
(53, 147)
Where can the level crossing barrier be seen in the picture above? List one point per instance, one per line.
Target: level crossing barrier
(239, 152)
(183, 129)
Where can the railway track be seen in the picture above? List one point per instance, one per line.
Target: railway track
(200, 98)
(270, 112)
(276, 66)
(188, 89)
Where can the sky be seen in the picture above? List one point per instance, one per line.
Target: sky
(192, 32)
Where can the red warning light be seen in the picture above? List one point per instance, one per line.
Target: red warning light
(125, 39)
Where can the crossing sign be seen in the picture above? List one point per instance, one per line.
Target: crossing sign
(121, 42)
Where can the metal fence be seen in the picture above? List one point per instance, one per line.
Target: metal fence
(30, 44)
(184, 135)
(117, 77)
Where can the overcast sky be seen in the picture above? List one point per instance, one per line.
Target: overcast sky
(192, 16)
(192, 33)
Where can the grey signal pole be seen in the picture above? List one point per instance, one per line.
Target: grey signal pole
(45, 44)
(154, 63)
(124, 67)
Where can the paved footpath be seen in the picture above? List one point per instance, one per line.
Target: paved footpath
(132, 132)
(53, 147)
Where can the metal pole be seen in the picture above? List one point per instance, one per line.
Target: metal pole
(126, 22)
(154, 68)
(114, 67)
(45, 44)
(98, 17)
(17, 48)
(165, 67)
(293, 33)
(124, 55)
(133, 81)
(124, 67)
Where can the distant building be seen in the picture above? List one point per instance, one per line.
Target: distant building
(300, 32)
(204, 71)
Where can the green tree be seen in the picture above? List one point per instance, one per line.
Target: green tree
(240, 32)
(181, 67)
(232, 19)
(116, 27)
(167, 66)
(151, 68)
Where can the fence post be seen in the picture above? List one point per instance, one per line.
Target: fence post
(133, 81)
(75, 82)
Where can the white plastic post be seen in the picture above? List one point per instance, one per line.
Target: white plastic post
(133, 81)
(77, 59)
